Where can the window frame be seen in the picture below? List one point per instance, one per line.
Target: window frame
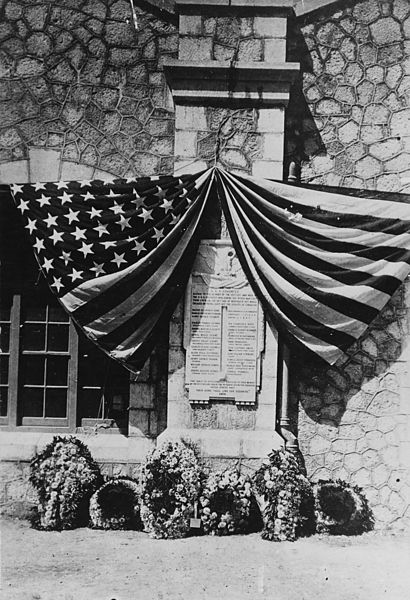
(14, 421)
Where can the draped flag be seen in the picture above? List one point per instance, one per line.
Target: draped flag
(117, 253)
(323, 264)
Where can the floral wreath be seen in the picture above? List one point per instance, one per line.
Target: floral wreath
(65, 476)
(115, 505)
(225, 503)
(341, 508)
(170, 485)
(285, 497)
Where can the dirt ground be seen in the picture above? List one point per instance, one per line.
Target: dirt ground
(103, 565)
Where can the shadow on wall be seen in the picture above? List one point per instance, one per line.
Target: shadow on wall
(366, 384)
(300, 125)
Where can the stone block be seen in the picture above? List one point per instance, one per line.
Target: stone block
(270, 27)
(191, 117)
(251, 50)
(268, 169)
(271, 120)
(272, 146)
(185, 143)
(195, 48)
(71, 171)
(190, 24)
(142, 395)
(139, 420)
(275, 50)
(44, 164)
(265, 416)
(14, 171)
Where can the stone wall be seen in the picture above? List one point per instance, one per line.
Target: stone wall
(78, 79)
(354, 131)
(351, 125)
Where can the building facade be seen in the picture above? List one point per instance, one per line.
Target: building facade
(314, 89)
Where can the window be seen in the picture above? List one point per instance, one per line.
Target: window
(59, 378)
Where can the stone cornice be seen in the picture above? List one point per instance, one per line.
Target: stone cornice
(254, 83)
(300, 7)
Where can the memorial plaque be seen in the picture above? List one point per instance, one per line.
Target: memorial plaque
(224, 323)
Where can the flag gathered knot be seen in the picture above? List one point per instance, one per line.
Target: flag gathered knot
(118, 253)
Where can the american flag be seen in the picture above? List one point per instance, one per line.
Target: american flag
(116, 252)
(323, 262)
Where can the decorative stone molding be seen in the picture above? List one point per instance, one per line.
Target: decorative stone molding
(254, 83)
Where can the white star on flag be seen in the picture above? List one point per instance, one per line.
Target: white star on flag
(75, 275)
(89, 196)
(123, 222)
(166, 205)
(48, 264)
(66, 257)
(39, 245)
(119, 259)
(51, 220)
(146, 215)
(72, 215)
(116, 208)
(57, 284)
(86, 249)
(159, 234)
(139, 247)
(31, 225)
(16, 189)
(61, 185)
(38, 186)
(56, 236)
(23, 206)
(102, 229)
(98, 269)
(65, 198)
(94, 212)
(79, 234)
(43, 200)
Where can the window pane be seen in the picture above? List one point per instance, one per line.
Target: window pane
(3, 401)
(56, 403)
(32, 402)
(5, 313)
(4, 369)
(57, 370)
(34, 337)
(32, 369)
(4, 337)
(57, 338)
(57, 314)
(90, 403)
(33, 312)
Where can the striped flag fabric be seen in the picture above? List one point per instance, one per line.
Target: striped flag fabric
(322, 262)
(117, 252)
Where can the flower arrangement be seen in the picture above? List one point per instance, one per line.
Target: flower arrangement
(341, 509)
(170, 484)
(285, 497)
(225, 503)
(115, 505)
(65, 476)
